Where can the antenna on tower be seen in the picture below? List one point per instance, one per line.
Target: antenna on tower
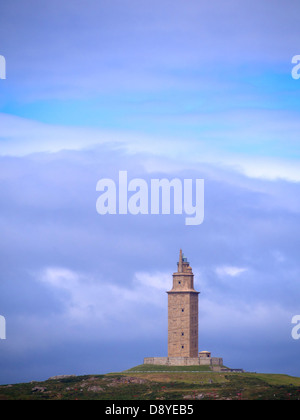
(180, 262)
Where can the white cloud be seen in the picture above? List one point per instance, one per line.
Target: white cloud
(86, 299)
(266, 167)
(160, 281)
(21, 137)
(230, 271)
(270, 319)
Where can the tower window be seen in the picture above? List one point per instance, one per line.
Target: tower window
(179, 282)
(182, 310)
(182, 347)
(182, 333)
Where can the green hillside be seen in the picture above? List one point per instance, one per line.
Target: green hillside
(145, 383)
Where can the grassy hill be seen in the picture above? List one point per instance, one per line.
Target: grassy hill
(148, 382)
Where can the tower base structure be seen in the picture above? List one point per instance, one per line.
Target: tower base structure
(214, 362)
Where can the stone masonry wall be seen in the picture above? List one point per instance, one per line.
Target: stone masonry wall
(183, 361)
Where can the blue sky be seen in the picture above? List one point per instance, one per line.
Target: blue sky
(160, 89)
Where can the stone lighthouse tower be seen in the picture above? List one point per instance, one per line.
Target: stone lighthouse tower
(183, 313)
(183, 324)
